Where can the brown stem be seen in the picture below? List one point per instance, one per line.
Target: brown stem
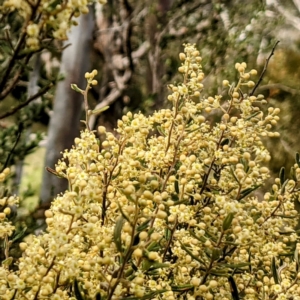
(207, 271)
(104, 197)
(264, 69)
(30, 99)
(126, 258)
(170, 240)
(211, 165)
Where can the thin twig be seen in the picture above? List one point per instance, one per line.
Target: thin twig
(279, 86)
(16, 108)
(13, 148)
(264, 69)
(18, 48)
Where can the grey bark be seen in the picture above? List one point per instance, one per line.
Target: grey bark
(65, 118)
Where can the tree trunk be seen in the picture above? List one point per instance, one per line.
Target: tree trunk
(65, 120)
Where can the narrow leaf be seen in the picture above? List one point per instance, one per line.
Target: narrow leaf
(296, 258)
(123, 214)
(7, 262)
(282, 175)
(146, 264)
(191, 253)
(100, 110)
(225, 142)
(216, 253)
(248, 191)
(117, 233)
(227, 221)
(221, 273)
(249, 260)
(76, 88)
(182, 288)
(253, 115)
(143, 226)
(53, 172)
(234, 176)
(176, 186)
(159, 266)
(236, 266)
(160, 130)
(293, 173)
(234, 290)
(98, 296)
(274, 271)
(19, 234)
(77, 291)
(148, 296)
(298, 159)
(283, 186)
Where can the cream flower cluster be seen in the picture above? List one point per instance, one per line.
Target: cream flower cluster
(54, 17)
(6, 204)
(167, 209)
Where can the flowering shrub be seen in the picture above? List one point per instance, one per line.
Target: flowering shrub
(166, 209)
(44, 18)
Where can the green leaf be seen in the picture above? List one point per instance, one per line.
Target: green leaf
(218, 272)
(296, 258)
(287, 217)
(53, 172)
(146, 264)
(100, 110)
(233, 287)
(19, 234)
(76, 88)
(117, 233)
(253, 115)
(234, 176)
(283, 187)
(182, 288)
(154, 246)
(148, 296)
(98, 296)
(298, 159)
(191, 253)
(7, 262)
(248, 191)
(227, 221)
(282, 175)
(225, 142)
(123, 214)
(160, 130)
(274, 271)
(249, 260)
(236, 266)
(77, 291)
(176, 185)
(216, 253)
(159, 266)
(143, 226)
(201, 239)
(118, 173)
(293, 173)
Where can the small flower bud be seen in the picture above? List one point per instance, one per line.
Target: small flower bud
(182, 56)
(251, 84)
(138, 253)
(225, 83)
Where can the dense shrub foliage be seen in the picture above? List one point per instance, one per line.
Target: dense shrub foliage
(167, 207)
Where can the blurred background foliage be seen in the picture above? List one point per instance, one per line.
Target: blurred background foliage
(134, 46)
